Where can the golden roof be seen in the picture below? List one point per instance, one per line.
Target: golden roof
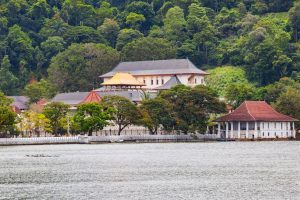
(121, 78)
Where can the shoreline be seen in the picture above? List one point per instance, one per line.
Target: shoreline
(125, 139)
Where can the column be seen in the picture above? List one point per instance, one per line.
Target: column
(255, 130)
(231, 136)
(219, 130)
(226, 133)
(294, 131)
(239, 130)
(247, 129)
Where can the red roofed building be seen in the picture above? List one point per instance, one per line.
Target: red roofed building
(92, 97)
(255, 119)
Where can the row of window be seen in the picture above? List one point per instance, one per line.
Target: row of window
(276, 135)
(157, 81)
(163, 81)
(251, 126)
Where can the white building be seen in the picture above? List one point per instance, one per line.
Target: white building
(255, 120)
(156, 73)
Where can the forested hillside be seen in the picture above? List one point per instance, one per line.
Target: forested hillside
(64, 45)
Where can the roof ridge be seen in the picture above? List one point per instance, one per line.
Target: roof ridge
(248, 111)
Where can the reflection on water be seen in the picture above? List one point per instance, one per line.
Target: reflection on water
(248, 170)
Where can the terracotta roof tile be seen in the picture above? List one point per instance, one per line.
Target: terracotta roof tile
(255, 111)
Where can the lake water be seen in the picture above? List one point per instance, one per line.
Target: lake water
(231, 170)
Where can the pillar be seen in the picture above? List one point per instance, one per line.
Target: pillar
(255, 130)
(231, 136)
(294, 131)
(226, 133)
(239, 130)
(247, 129)
(219, 130)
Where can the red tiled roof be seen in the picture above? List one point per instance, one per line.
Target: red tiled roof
(92, 97)
(255, 111)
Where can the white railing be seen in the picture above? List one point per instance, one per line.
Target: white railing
(39, 140)
(112, 138)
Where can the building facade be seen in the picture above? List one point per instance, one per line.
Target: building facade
(255, 120)
(156, 73)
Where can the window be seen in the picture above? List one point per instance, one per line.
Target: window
(195, 81)
(268, 125)
(162, 81)
(157, 82)
(151, 81)
(144, 81)
(263, 134)
(268, 134)
(243, 126)
(263, 125)
(258, 125)
(275, 125)
(251, 125)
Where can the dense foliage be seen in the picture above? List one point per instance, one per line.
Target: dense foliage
(61, 38)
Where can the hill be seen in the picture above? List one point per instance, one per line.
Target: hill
(74, 41)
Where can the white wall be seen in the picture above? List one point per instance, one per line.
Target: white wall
(265, 130)
(159, 80)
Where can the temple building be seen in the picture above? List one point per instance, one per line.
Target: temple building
(121, 84)
(255, 120)
(156, 73)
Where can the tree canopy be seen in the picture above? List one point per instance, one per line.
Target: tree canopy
(69, 43)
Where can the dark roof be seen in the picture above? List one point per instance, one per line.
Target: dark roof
(134, 95)
(158, 67)
(72, 98)
(21, 102)
(76, 98)
(170, 83)
(255, 111)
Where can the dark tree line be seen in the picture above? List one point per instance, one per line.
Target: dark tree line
(55, 40)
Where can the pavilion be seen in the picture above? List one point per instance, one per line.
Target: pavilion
(255, 120)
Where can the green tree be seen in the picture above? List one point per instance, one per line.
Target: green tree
(145, 9)
(91, 117)
(110, 29)
(175, 25)
(221, 77)
(288, 103)
(82, 34)
(79, 66)
(148, 49)
(38, 90)
(4, 101)
(126, 36)
(135, 20)
(273, 91)
(125, 113)
(8, 81)
(54, 27)
(52, 46)
(294, 19)
(7, 117)
(76, 12)
(20, 46)
(192, 107)
(157, 113)
(55, 112)
(237, 93)
(7, 121)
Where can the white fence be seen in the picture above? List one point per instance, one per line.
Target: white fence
(112, 138)
(39, 140)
